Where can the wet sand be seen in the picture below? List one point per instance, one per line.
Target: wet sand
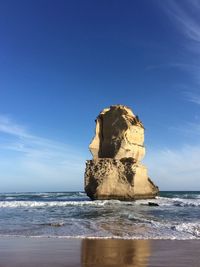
(29, 252)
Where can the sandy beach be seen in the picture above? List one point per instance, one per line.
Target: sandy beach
(29, 252)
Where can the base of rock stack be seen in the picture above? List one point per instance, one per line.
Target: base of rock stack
(122, 179)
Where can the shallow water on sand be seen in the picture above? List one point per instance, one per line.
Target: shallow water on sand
(73, 214)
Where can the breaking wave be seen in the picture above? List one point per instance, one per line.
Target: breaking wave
(173, 215)
(178, 202)
(37, 204)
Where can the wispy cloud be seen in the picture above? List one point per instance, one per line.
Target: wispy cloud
(184, 16)
(32, 145)
(182, 66)
(9, 127)
(179, 168)
(39, 157)
(193, 97)
(175, 169)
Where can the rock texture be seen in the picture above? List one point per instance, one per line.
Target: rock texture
(117, 148)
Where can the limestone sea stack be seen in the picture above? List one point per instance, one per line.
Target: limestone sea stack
(116, 171)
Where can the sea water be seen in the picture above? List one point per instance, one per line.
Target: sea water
(73, 214)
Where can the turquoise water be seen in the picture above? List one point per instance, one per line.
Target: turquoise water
(73, 214)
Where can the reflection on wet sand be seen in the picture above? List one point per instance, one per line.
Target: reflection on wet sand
(115, 252)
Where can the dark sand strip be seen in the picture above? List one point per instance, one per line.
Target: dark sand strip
(28, 252)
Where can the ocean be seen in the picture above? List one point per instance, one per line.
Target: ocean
(73, 214)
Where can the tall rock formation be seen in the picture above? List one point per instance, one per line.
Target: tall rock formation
(117, 148)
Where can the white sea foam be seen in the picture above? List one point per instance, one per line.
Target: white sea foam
(138, 237)
(161, 201)
(190, 228)
(37, 204)
(185, 202)
(164, 201)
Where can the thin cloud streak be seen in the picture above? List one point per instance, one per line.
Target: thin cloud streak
(185, 17)
(32, 145)
(183, 66)
(38, 159)
(9, 127)
(179, 169)
(175, 169)
(193, 97)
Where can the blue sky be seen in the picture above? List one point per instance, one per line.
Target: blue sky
(62, 62)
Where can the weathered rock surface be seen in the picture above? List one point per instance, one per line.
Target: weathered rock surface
(119, 134)
(117, 149)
